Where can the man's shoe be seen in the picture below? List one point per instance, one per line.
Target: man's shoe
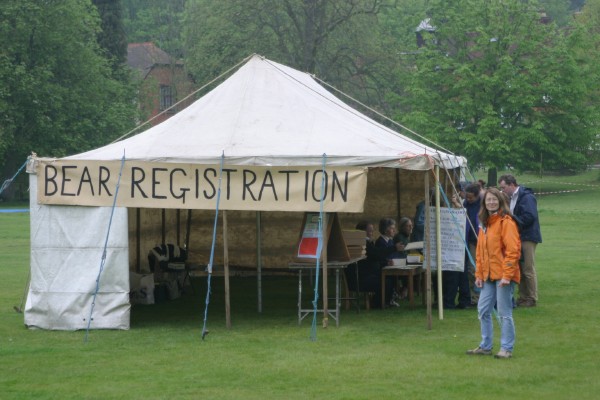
(528, 303)
(394, 303)
(503, 354)
(479, 352)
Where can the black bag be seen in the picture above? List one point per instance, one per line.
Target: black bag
(164, 254)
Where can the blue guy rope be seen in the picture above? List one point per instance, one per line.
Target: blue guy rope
(313, 329)
(212, 250)
(103, 260)
(7, 182)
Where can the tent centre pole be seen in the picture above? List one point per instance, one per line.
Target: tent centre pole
(427, 251)
(324, 258)
(259, 260)
(226, 272)
(438, 241)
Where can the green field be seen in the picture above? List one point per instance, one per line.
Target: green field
(372, 355)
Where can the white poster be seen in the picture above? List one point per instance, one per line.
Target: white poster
(452, 223)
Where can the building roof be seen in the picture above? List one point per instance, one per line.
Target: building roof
(144, 56)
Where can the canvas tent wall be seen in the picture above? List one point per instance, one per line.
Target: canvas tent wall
(390, 192)
(264, 116)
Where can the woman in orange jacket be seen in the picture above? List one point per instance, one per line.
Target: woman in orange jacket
(497, 266)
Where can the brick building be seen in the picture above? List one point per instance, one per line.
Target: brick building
(163, 81)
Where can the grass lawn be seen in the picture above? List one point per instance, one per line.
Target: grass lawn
(372, 355)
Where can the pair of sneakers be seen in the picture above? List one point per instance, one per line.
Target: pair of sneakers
(483, 352)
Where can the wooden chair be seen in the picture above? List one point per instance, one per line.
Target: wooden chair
(353, 288)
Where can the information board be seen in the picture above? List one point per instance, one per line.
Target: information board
(452, 223)
(309, 239)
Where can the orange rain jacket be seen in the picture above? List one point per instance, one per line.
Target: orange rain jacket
(498, 250)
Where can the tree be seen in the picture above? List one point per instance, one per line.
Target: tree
(156, 21)
(340, 41)
(585, 42)
(112, 36)
(501, 87)
(57, 93)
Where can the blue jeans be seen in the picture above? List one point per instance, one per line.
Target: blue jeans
(492, 294)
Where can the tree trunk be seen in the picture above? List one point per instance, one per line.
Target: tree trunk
(492, 176)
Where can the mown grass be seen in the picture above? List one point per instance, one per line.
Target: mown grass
(376, 354)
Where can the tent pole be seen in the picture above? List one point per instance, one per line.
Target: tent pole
(178, 217)
(164, 226)
(398, 214)
(226, 271)
(427, 252)
(438, 241)
(138, 242)
(188, 228)
(324, 257)
(259, 260)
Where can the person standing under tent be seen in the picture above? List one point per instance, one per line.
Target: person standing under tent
(472, 205)
(457, 282)
(523, 206)
(418, 233)
(498, 251)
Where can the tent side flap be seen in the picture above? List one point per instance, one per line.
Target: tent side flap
(67, 243)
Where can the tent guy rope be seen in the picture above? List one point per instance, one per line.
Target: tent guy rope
(7, 182)
(103, 260)
(212, 249)
(313, 329)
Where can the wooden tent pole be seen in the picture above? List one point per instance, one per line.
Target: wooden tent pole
(438, 241)
(324, 232)
(163, 230)
(226, 271)
(138, 241)
(178, 218)
(427, 252)
(259, 260)
(398, 205)
(188, 228)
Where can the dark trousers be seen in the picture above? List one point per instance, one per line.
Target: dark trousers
(453, 283)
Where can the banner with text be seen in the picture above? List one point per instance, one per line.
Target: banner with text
(192, 186)
(452, 223)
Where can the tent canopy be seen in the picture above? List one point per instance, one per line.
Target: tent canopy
(272, 115)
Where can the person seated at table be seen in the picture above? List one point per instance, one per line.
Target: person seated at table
(386, 251)
(403, 236)
(401, 239)
(369, 269)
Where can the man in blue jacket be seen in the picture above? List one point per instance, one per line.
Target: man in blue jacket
(523, 206)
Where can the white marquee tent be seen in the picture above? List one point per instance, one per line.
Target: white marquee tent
(265, 115)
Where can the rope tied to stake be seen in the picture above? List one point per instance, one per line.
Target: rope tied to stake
(313, 329)
(7, 182)
(103, 259)
(212, 250)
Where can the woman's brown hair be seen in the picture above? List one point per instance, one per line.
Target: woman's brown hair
(503, 205)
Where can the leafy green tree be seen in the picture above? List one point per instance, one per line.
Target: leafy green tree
(156, 21)
(500, 87)
(585, 44)
(57, 93)
(340, 41)
(558, 10)
(112, 36)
